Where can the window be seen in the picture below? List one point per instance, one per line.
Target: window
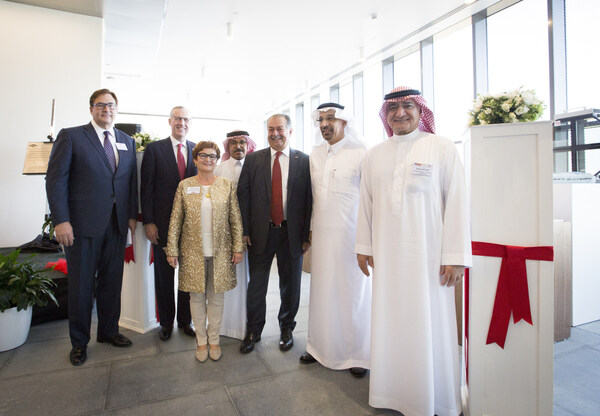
(577, 144)
(407, 70)
(373, 98)
(583, 53)
(518, 49)
(453, 79)
(299, 127)
(346, 95)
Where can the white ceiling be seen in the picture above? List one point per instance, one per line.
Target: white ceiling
(160, 53)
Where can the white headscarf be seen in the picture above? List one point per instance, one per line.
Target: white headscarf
(351, 134)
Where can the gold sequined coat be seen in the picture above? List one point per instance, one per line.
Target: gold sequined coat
(185, 234)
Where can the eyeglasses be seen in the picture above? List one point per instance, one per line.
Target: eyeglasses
(238, 143)
(102, 106)
(211, 156)
(184, 119)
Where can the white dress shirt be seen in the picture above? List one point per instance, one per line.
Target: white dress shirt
(111, 137)
(175, 143)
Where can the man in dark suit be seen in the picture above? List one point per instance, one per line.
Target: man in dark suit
(92, 192)
(275, 197)
(165, 163)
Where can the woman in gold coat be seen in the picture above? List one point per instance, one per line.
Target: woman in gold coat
(205, 240)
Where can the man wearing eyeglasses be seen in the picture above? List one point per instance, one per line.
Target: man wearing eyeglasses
(166, 162)
(237, 144)
(91, 185)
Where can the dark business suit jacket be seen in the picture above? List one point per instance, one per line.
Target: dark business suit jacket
(81, 186)
(159, 181)
(254, 195)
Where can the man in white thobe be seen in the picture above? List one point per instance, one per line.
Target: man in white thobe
(413, 231)
(339, 314)
(237, 144)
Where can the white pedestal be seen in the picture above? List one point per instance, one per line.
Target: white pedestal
(578, 203)
(509, 168)
(138, 304)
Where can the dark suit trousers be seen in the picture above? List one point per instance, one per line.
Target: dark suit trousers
(95, 262)
(164, 280)
(290, 273)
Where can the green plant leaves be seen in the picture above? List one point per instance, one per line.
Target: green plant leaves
(22, 284)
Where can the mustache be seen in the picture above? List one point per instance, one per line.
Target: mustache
(278, 137)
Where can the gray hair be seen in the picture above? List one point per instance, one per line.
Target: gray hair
(288, 120)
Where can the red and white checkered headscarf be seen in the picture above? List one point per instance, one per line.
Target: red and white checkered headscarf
(237, 135)
(426, 122)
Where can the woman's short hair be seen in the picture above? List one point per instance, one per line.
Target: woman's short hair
(206, 145)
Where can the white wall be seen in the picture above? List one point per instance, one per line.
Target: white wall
(45, 54)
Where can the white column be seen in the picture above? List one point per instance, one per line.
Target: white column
(138, 303)
(509, 168)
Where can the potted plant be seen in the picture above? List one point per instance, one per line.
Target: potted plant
(22, 285)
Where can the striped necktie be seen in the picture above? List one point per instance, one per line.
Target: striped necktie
(110, 153)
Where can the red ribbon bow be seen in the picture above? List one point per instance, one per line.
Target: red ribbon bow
(512, 293)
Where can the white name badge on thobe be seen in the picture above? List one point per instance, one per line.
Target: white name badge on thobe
(121, 146)
(193, 190)
(421, 169)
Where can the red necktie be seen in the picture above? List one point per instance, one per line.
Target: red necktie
(276, 194)
(180, 163)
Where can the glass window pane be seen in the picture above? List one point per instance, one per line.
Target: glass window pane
(562, 134)
(562, 162)
(315, 100)
(346, 95)
(373, 98)
(588, 160)
(453, 80)
(591, 131)
(518, 49)
(583, 53)
(298, 136)
(407, 71)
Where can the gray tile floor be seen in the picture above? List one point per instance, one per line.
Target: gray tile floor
(577, 372)
(155, 377)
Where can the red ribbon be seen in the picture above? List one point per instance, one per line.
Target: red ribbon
(129, 255)
(512, 292)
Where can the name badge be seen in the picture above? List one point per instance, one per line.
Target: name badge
(121, 146)
(422, 169)
(193, 190)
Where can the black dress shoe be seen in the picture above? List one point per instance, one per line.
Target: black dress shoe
(78, 355)
(358, 372)
(118, 340)
(188, 330)
(248, 343)
(306, 358)
(286, 341)
(165, 333)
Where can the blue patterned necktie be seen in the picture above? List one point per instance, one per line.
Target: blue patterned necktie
(110, 153)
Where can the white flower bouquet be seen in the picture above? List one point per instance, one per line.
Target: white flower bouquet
(142, 140)
(507, 107)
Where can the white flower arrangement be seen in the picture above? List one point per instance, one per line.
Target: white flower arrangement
(507, 107)
(142, 140)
